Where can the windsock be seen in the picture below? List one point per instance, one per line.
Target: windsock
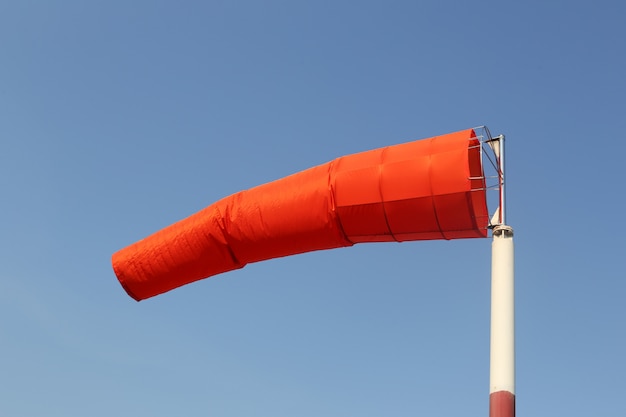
(422, 190)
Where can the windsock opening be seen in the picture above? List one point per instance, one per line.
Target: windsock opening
(422, 190)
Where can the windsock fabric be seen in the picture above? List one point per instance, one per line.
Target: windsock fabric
(422, 190)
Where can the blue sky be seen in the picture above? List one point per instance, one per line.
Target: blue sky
(118, 118)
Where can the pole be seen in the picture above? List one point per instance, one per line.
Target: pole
(502, 366)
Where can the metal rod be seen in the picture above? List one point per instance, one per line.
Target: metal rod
(501, 173)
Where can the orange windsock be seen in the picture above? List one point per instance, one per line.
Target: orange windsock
(422, 190)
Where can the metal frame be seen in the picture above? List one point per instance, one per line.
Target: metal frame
(492, 149)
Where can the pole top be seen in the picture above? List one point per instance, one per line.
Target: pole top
(502, 230)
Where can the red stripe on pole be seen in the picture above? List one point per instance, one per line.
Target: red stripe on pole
(502, 404)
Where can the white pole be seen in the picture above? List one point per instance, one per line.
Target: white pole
(502, 367)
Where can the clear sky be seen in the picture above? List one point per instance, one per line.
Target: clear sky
(118, 118)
